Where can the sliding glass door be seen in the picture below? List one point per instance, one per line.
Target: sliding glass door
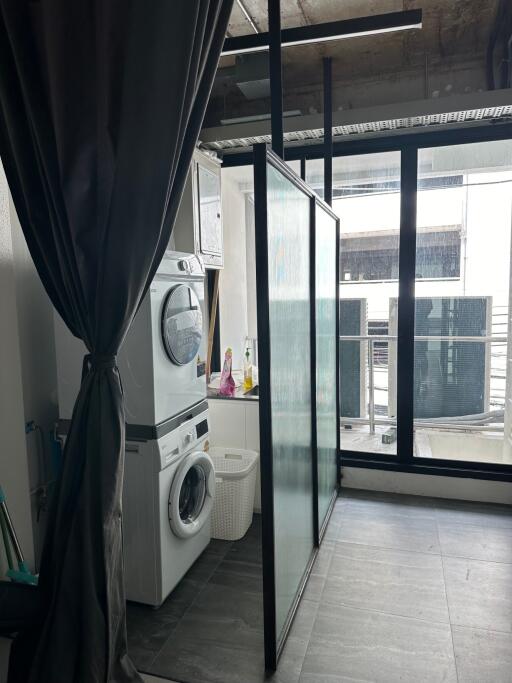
(296, 266)
(425, 286)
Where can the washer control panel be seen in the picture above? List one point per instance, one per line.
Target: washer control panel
(189, 436)
(193, 432)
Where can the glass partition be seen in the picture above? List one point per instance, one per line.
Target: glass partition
(326, 329)
(282, 216)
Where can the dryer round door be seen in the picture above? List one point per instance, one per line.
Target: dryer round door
(191, 496)
(182, 324)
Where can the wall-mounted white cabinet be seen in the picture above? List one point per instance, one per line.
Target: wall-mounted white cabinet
(198, 227)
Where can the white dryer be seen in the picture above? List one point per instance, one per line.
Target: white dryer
(163, 358)
(169, 487)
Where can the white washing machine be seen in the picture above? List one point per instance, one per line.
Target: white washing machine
(169, 481)
(163, 358)
(169, 486)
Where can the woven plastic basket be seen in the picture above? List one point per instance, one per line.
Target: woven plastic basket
(235, 483)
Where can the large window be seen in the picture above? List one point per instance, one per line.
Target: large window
(460, 360)
(424, 300)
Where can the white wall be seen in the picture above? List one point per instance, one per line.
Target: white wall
(456, 488)
(233, 278)
(250, 258)
(28, 383)
(38, 368)
(14, 471)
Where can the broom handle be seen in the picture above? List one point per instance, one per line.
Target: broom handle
(10, 528)
(5, 536)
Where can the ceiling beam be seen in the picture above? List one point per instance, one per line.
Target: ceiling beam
(333, 30)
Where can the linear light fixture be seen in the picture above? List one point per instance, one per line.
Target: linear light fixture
(257, 117)
(333, 30)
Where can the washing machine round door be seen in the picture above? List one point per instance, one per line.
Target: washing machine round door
(192, 493)
(182, 324)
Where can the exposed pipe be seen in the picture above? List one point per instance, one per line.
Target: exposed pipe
(491, 45)
(247, 16)
(327, 61)
(509, 62)
(276, 77)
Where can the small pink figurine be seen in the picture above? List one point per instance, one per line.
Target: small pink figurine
(227, 383)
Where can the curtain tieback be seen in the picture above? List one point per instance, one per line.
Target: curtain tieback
(98, 361)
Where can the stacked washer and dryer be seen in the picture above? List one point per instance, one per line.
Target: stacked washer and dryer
(169, 478)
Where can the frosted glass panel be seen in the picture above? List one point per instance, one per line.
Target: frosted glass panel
(290, 385)
(326, 311)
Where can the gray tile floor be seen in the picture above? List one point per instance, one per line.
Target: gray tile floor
(404, 589)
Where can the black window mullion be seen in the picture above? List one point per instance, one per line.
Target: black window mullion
(406, 304)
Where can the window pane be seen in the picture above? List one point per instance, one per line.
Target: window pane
(461, 392)
(366, 196)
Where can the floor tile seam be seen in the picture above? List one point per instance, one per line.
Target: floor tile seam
(309, 641)
(473, 559)
(310, 638)
(445, 588)
(153, 660)
(387, 547)
(391, 511)
(419, 523)
(382, 612)
(438, 506)
(329, 563)
(315, 604)
(179, 620)
(197, 596)
(381, 548)
(159, 651)
(482, 527)
(208, 579)
(420, 503)
(484, 630)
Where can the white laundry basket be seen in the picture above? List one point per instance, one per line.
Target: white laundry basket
(235, 484)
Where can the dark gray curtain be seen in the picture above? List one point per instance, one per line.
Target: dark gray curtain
(101, 103)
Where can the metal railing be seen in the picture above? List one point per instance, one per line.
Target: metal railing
(371, 339)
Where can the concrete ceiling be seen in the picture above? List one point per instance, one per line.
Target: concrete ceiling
(446, 56)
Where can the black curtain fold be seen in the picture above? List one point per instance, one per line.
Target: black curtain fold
(101, 104)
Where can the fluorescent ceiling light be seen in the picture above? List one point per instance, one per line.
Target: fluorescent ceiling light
(321, 33)
(257, 117)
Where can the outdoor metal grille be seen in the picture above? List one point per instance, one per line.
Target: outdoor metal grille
(371, 127)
